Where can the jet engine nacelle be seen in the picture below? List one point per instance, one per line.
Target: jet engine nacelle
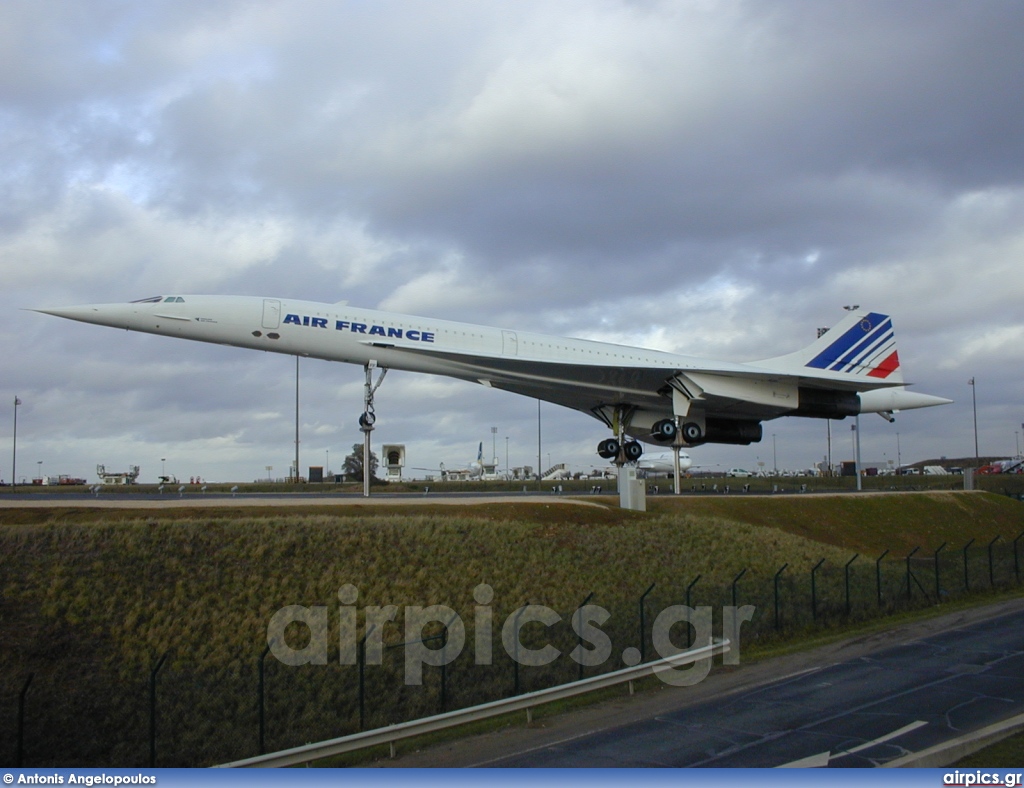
(740, 433)
(823, 404)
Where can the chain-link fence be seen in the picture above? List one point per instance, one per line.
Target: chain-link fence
(174, 715)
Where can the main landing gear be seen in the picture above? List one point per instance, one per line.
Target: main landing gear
(368, 418)
(611, 449)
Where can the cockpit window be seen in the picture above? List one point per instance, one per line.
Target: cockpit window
(153, 300)
(174, 300)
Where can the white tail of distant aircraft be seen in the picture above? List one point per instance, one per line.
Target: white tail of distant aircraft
(642, 395)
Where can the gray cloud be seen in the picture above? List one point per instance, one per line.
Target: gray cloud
(717, 179)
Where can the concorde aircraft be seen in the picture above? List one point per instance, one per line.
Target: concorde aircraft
(642, 395)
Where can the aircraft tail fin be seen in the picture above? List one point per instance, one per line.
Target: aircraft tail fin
(861, 347)
(480, 452)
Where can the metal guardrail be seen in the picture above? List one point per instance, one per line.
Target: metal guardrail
(389, 735)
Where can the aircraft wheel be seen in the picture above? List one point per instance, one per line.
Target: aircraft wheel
(608, 449)
(692, 433)
(633, 451)
(664, 431)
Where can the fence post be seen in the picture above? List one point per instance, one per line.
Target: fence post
(776, 582)
(152, 710)
(444, 663)
(643, 596)
(260, 691)
(991, 572)
(515, 649)
(689, 629)
(579, 630)
(814, 591)
(910, 590)
(20, 760)
(361, 661)
(1016, 562)
(938, 589)
(878, 576)
(967, 580)
(735, 580)
(846, 570)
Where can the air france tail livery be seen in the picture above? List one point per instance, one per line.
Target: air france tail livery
(642, 395)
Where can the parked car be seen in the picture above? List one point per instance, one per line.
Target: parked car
(739, 473)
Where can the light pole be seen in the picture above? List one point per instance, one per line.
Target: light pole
(775, 458)
(538, 444)
(327, 461)
(163, 470)
(855, 427)
(506, 455)
(14, 451)
(494, 451)
(974, 403)
(899, 458)
(1016, 441)
(39, 473)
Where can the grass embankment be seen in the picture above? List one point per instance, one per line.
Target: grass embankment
(92, 598)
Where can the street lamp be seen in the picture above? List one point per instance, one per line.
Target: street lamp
(775, 458)
(39, 473)
(494, 451)
(506, 455)
(974, 403)
(14, 451)
(163, 469)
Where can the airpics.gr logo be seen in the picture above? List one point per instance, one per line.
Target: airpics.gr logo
(370, 329)
(586, 622)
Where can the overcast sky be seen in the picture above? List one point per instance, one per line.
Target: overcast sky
(713, 178)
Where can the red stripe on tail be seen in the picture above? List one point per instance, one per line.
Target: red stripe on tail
(886, 368)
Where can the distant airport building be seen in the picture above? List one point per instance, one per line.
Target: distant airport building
(110, 477)
(394, 461)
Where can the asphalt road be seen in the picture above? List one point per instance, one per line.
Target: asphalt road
(886, 695)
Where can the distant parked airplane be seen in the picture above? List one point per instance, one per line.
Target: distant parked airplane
(641, 395)
(663, 463)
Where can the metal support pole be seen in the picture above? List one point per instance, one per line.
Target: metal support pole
(579, 630)
(643, 596)
(776, 583)
(152, 710)
(938, 589)
(19, 761)
(262, 702)
(814, 591)
(967, 579)
(297, 475)
(991, 570)
(878, 576)
(846, 570)
(909, 589)
(689, 629)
